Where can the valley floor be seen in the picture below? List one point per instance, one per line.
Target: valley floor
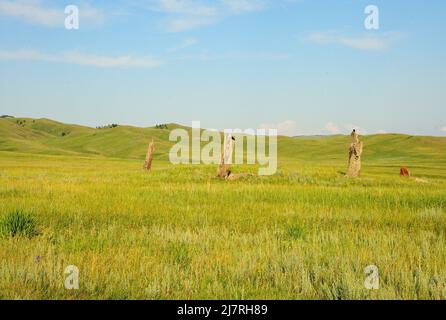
(180, 233)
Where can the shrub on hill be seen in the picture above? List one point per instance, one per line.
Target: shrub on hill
(21, 123)
(109, 126)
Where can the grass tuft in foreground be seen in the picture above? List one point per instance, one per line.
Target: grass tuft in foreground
(18, 223)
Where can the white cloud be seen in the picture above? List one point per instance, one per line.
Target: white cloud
(286, 128)
(365, 43)
(208, 8)
(33, 11)
(90, 14)
(111, 62)
(188, 7)
(351, 127)
(205, 55)
(382, 131)
(82, 59)
(362, 42)
(331, 128)
(183, 15)
(443, 129)
(241, 6)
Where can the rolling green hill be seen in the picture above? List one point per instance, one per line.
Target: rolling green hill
(43, 136)
(179, 232)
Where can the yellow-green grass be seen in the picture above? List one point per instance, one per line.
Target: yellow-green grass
(305, 233)
(43, 136)
(179, 233)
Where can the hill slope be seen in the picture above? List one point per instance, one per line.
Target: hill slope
(43, 136)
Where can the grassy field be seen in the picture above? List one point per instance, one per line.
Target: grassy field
(179, 233)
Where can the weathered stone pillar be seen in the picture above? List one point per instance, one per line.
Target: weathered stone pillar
(404, 172)
(354, 160)
(149, 156)
(223, 170)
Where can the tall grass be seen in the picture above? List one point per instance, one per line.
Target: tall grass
(306, 233)
(18, 223)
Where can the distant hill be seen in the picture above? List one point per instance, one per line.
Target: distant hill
(44, 136)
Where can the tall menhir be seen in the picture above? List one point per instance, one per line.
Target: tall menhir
(354, 158)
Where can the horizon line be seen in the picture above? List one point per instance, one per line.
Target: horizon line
(6, 116)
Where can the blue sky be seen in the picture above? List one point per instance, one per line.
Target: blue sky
(304, 67)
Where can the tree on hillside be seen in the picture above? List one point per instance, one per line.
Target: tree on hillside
(109, 126)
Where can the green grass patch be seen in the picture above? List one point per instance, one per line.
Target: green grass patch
(18, 224)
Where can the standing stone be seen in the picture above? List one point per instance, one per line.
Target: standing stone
(149, 156)
(355, 152)
(404, 172)
(223, 170)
